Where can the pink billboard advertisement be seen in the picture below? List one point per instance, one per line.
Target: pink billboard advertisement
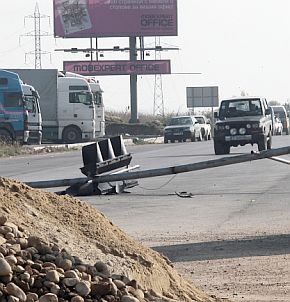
(97, 68)
(114, 18)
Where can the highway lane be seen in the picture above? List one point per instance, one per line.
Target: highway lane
(231, 237)
(249, 196)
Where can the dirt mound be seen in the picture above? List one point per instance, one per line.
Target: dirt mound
(89, 235)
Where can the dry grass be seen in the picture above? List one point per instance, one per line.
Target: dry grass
(10, 150)
(124, 117)
(17, 149)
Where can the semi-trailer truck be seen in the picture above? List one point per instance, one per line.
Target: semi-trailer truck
(13, 114)
(66, 104)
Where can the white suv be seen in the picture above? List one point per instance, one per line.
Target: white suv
(281, 113)
(205, 127)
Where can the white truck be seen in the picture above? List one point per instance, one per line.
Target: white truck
(98, 101)
(31, 100)
(66, 104)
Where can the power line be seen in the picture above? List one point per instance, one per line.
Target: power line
(37, 34)
(158, 107)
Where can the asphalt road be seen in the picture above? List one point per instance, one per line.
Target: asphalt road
(240, 210)
(249, 196)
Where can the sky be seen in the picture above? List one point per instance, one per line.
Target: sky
(237, 45)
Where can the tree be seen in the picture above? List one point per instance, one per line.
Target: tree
(244, 93)
(287, 105)
(274, 103)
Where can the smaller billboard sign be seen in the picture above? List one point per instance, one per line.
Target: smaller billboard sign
(202, 96)
(121, 67)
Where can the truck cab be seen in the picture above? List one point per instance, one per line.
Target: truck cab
(99, 107)
(98, 102)
(31, 100)
(13, 114)
(241, 121)
(76, 112)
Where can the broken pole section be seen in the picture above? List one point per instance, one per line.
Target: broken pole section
(224, 161)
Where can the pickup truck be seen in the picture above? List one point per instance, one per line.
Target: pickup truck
(205, 127)
(241, 121)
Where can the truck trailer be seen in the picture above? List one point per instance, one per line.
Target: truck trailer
(66, 104)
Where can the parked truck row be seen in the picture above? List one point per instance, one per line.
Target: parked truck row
(52, 106)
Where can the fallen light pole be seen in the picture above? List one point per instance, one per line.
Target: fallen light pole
(280, 160)
(94, 180)
(224, 161)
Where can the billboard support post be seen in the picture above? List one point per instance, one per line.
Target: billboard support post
(133, 83)
(97, 53)
(91, 45)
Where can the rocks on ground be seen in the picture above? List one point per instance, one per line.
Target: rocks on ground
(57, 248)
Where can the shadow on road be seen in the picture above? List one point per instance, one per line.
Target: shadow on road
(255, 246)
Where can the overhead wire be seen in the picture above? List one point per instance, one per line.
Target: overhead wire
(160, 187)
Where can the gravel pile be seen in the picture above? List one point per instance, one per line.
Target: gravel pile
(31, 270)
(58, 248)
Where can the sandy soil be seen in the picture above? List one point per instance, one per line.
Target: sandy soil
(88, 234)
(250, 269)
(242, 270)
(253, 279)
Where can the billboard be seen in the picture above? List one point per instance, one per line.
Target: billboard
(202, 96)
(114, 18)
(121, 67)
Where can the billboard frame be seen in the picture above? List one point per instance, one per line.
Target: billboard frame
(118, 67)
(99, 18)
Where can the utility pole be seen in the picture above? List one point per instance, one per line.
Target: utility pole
(37, 34)
(158, 107)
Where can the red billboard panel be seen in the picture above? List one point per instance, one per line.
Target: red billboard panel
(114, 18)
(98, 68)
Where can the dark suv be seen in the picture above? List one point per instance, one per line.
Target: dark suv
(181, 128)
(241, 121)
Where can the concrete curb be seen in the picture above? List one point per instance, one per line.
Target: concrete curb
(127, 142)
(151, 140)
